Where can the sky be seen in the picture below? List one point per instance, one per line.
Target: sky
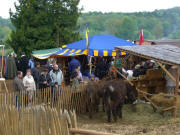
(107, 5)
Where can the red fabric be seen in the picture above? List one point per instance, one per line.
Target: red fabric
(141, 39)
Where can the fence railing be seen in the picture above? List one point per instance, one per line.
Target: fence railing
(62, 98)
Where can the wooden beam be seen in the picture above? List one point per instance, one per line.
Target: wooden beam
(87, 132)
(123, 76)
(177, 81)
(176, 92)
(167, 72)
(155, 106)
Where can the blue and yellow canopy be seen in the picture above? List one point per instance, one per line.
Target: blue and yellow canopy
(99, 45)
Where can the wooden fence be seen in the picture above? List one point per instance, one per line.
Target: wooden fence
(64, 98)
(36, 120)
(40, 120)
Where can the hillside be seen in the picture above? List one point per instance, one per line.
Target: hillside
(5, 29)
(156, 25)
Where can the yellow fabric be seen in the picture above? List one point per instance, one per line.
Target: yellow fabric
(85, 52)
(64, 52)
(87, 38)
(96, 52)
(105, 53)
(72, 50)
(123, 53)
(63, 46)
(78, 51)
(113, 53)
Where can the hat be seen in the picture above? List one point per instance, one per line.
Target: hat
(137, 66)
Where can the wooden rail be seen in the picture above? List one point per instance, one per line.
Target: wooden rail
(87, 132)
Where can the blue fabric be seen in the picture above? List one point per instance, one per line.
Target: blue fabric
(100, 43)
(31, 64)
(73, 64)
(97, 42)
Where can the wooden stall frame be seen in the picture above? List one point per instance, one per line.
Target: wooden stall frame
(159, 62)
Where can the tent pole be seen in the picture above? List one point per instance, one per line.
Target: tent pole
(90, 64)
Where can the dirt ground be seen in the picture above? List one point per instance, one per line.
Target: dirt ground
(142, 121)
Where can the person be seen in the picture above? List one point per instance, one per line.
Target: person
(35, 73)
(50, 66)
(18, 87)
(100, 70)
(170, 84)
(30, 85)
(45, 79)
(73, 64)
(94, 78)
(75, 80)
(137, 71)
(18, 83)
(23, 63)
(56, 76)
(31, 64)
(11, 68)
(78, 70)
(16, 61)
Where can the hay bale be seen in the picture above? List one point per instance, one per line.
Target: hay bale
(163, 100)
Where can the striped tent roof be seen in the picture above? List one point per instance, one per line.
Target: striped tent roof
(99, 45)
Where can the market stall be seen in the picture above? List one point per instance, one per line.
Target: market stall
(161, 54)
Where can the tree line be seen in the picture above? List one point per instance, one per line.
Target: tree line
(156, 25)
(42, 24)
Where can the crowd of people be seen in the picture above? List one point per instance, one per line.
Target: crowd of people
(29, 78)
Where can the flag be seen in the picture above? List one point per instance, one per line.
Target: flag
(87, 38)
(141, 39)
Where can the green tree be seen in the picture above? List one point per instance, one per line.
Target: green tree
(127, 29)
(41, 24)
(158, 30)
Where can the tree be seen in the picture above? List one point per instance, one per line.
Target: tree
(158, 30)
(41, 24)
(127, 28)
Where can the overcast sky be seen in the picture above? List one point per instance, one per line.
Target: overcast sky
(107, 5)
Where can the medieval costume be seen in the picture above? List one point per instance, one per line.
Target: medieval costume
(11, 68)
(24, 64)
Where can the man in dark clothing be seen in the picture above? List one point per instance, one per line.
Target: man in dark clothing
(18, 87)
(35, 73)
(45, 80)
(16, 61)
(24, 63)
(73, 64)
(18, 83)
(100, 70)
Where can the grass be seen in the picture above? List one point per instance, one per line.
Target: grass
(142, 121)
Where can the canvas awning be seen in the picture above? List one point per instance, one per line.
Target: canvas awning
(44, 54)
